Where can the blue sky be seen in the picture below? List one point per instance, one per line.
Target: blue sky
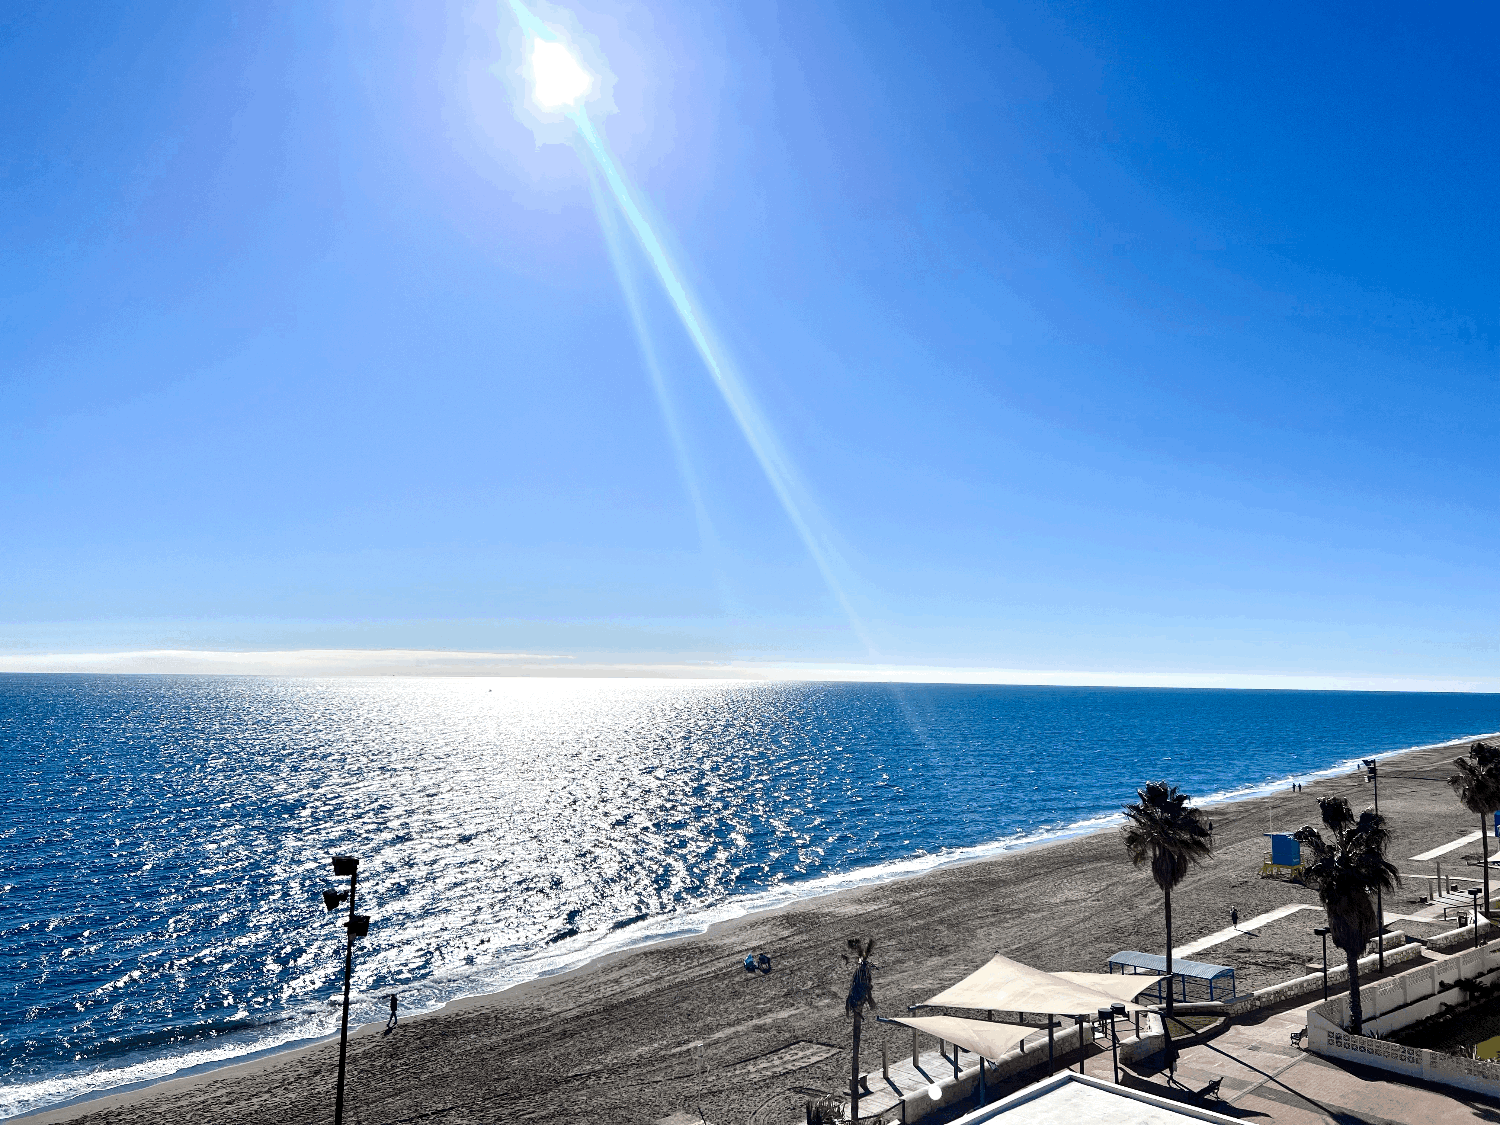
(1113, 340)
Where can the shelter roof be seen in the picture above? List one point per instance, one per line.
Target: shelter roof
(1156, 962)
(988, 1038)
(1009, 986)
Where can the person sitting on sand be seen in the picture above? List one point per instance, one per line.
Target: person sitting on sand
(764, 963)
(749, 962)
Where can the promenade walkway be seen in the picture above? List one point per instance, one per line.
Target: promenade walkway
(1246, 926)
(1265, 1079)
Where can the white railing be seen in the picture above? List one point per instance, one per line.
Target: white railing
(1400, 1002)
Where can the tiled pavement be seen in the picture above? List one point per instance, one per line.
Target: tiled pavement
(1266, 1079)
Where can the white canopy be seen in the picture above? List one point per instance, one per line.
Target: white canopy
(984, 1037)
(1122, 987)
(1009, 986)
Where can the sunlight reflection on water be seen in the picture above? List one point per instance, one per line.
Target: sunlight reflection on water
(164, 855)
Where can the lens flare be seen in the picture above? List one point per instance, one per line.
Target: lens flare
(564, 77)
(558, 81)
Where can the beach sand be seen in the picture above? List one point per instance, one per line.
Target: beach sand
(615, 1040)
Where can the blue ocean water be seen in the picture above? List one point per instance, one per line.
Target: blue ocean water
(165, 839)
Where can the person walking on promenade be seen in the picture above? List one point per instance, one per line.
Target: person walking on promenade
(1234, 917)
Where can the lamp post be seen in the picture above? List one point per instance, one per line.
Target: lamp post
(1474, 898)
(1322, 932)
(1372, 775)
(358, 925)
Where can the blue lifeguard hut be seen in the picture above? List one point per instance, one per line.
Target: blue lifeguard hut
(1284, 858)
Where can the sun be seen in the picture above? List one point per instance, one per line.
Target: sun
(558, 80)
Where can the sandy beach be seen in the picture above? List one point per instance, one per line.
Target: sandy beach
(615, 1041)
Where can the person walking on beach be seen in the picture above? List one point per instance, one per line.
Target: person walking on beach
(390, 1023)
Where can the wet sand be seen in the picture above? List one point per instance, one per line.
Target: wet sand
(680, 1025)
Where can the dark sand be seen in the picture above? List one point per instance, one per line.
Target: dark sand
(613, 1042)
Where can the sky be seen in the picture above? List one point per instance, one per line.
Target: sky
(1085, 342)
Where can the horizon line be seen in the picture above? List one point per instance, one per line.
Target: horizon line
(429, 663)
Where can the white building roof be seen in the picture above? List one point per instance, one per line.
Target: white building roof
(1077, 1099)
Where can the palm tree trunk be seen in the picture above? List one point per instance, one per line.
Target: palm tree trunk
(1168, 893)
(854, 1073)
(1484, 843)
(1356, 1014)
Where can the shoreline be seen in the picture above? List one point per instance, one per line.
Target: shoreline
(850, 887)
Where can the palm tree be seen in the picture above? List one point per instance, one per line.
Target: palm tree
(1477, 786)
(1164, 830)
(861, 996)
(1345, 873)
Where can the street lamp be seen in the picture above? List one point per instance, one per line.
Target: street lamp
(358, 925)
(1322, 932)
(1474, 898)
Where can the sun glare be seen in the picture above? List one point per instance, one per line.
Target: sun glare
(558, 81)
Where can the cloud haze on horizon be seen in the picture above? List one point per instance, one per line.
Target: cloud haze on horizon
(1146, 344)
(415, 662)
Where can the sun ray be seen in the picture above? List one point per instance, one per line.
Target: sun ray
(753, 425)
(559, 83)
(613, 240)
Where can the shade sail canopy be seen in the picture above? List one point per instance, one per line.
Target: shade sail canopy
(983, 1037)
(1123, 988)
(1009, 986)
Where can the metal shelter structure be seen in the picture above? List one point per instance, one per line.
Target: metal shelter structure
(1131, 962)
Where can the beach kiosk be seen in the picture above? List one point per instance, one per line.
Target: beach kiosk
(1284, 860)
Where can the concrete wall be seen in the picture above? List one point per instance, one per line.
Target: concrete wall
(1450, 940)
(918, 1104)
(1151, 1040)
(1402, 1001)
(1338, 975)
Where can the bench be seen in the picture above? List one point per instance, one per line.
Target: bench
(1211, 1090)
(1298, 1036)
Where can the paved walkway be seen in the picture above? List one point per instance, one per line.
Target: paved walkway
(1266, 1079)
(1471, 838)
(1248, 926)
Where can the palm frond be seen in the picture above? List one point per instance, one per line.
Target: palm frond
(1336, 814)
(1477, 782)
(862, 987)
(1347, 870)
(1162, 829)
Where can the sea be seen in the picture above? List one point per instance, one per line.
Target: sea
(166, 840)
